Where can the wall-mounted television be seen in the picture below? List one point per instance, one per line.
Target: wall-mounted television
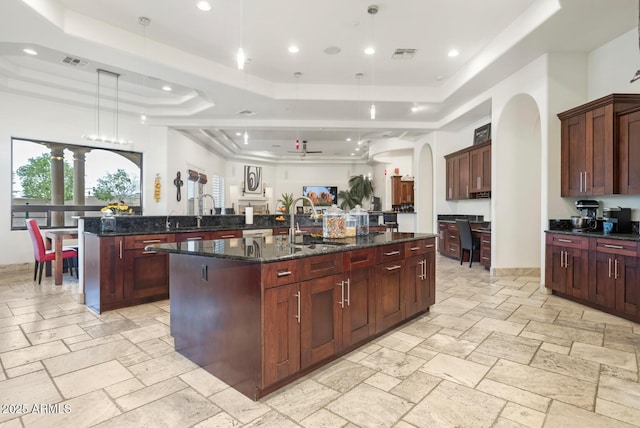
(322, 196)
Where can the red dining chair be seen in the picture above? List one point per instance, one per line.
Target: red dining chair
(41, 254)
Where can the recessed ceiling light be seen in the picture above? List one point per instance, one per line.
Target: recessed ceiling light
(357, 149)
(332, 50)
(348, 139)
(415, 109)
(29, 51)
(370, 50)
(238, 134)
(438, 78)
(204, 6)
(353, 154)
(453, 52)
(294, 49)
(166, 88)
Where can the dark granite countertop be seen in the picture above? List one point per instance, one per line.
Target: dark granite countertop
(598, 234)
(266, 249)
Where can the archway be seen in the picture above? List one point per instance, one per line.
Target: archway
(424, 184)
(517, 187)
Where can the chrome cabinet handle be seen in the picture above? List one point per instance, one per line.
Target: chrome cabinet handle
(429, 245)
(120, 249)
(615, 269)
(390, 268)
(197, 238)
(566, 260)
(561, 258)
(617, 247)
(421, 269)
(565, 240)
(585, 182)
(228, 236)
(284, 273)
(149, 252)
(415, 248)
(478, 182)
(392, 253)
(299, 298)
(341, 284)
(609, 267)
(348, 292)
(580, 181)
(151, 241)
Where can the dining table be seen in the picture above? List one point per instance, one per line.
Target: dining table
(55, 239)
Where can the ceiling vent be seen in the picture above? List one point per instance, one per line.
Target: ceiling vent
(246, 112)
(403, 54)
(75, 62)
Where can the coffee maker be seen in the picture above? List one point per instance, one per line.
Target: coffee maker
(620, 217)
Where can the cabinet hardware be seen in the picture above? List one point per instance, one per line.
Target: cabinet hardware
(485, 258)
(227, 236)
(392, 253)
(566, 260)
(420, 275)
(415, 248)
(151, 241)
(585, 181)
(205, 272)
(429, 245)
(394, 267)
(615, 269)
(617, 247)
(348, 292)
(120, 248)
(609, 267)
(561, 258)
(149, 252)
(467, 190)
(565, 240)
(284, 273)
(486, 242)
(197, 238)
(478, 182)
(341, 284)
(298, 315)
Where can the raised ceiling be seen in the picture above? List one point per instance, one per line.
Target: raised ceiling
(194, 52)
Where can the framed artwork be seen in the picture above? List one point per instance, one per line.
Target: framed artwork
(253, 180)
(482, 134)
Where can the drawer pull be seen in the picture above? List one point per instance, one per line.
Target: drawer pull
(617, 247)
(415, 248)
(394, 267)
(228, 236)
(485, 258)
(429, 245)
(284, 273)
(486, 242)
(392, 253)
(565, 240)
(197, 238)
(151, 241)
(149, 252)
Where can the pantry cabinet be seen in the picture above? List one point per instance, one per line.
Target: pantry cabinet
(468, 173)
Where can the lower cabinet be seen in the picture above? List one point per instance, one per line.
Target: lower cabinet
(104, 272)
(602, 272)
(485, 249)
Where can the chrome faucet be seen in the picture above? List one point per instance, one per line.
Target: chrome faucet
(201, 203)
(167, 223)
(292, 210)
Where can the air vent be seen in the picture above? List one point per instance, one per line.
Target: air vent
(75, 62)
(246, 112)
(403, 54)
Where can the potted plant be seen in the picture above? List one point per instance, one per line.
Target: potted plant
(360, 187)
(285, 200)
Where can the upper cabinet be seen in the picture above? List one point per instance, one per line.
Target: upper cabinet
(401, 192)
(469, 173)
(600, 141)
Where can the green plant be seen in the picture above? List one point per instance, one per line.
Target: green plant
(360, 187)
(286, 200)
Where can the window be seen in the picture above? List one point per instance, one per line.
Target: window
(218, 190)
(56, 182)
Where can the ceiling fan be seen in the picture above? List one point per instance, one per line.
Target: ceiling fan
(304, 150)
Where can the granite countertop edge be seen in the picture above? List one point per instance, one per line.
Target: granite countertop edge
(618, 236)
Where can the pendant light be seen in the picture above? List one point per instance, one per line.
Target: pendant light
(297, 75)
(359, 77)
(98, 134)
(240, 57)
(145, 22)
(637, 75)
(372, 10)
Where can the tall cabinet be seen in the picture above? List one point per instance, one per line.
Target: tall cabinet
(469, 173)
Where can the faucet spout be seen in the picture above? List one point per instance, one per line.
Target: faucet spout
(292, 215)
(201, 203)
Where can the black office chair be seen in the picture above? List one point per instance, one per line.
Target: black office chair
(467, 240)
(390, 220)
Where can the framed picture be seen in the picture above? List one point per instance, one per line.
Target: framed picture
(252, 180)
(482, 134)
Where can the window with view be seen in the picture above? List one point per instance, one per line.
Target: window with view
(57, 182)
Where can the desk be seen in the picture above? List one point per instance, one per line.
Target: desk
(57, 236)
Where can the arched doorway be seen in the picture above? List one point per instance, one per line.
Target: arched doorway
(424, 184)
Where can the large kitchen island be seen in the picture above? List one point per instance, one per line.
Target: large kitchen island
(260, 312)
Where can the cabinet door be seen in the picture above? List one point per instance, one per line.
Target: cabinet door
(627, 275)
(430, 280)
(111, 270)
(576, 264)
(452, 190)
(407, 192)
(485, 250)
(573, 156)
(599, 152)
(480, 169)
(462, 162)
(146, 274)
(602, 287)
(413, 284)
(442, 238)
(281, 333)
(389, 298)
(358, 314)
(629, 153)
(321, 319)
(556, 274)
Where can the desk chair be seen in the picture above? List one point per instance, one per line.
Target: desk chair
(467, 240)
(43, 255)
(390, 220)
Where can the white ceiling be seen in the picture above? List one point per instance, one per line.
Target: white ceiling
(194, 52)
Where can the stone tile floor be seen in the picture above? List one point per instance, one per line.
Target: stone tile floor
(493, 351)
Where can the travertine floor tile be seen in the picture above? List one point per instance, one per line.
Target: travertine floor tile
(599, 354)
(455, 369)
(288, 402)
(239, 406)
(26, 391)
(323, 419)
(502, 345)
(342, 375)
(91, 378)
(565, 415)
(33, 353)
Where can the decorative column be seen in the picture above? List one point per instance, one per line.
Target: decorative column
(57, 183)
(78, 176)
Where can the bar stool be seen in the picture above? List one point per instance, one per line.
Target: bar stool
(391, 221)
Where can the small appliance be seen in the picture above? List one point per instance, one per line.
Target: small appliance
(587, 220)
(620, 217)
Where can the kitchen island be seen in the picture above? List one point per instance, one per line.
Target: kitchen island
(260, 312)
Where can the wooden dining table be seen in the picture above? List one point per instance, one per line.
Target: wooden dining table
(54, 239)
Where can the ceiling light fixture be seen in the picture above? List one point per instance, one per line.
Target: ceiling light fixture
(204, 6)
(359, 78)
(372, 10)
(30, 51)
(294, 49)
(637, 75)
(167, 88)
(97, 135)
(453, 53)
(145, 22)
(297, 75)
(246, 137)
(240, 58)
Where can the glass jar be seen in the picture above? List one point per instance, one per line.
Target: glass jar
(108, 222)
(334, 223)
(361, 217)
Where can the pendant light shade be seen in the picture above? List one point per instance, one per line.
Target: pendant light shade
(99, 133)
(372, 111)
(246, 137)
(372, 10)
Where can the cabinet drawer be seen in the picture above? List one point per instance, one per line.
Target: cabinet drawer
(358, 258)
(317, 266)
(280, 231)
(388, 253)
(414, 248)
(485, 239)
(192, 236)
(429, 245)
(280, 273)
(452, 227)
(615, 246)
(569, 241)
(224, 234)
(141, 241)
